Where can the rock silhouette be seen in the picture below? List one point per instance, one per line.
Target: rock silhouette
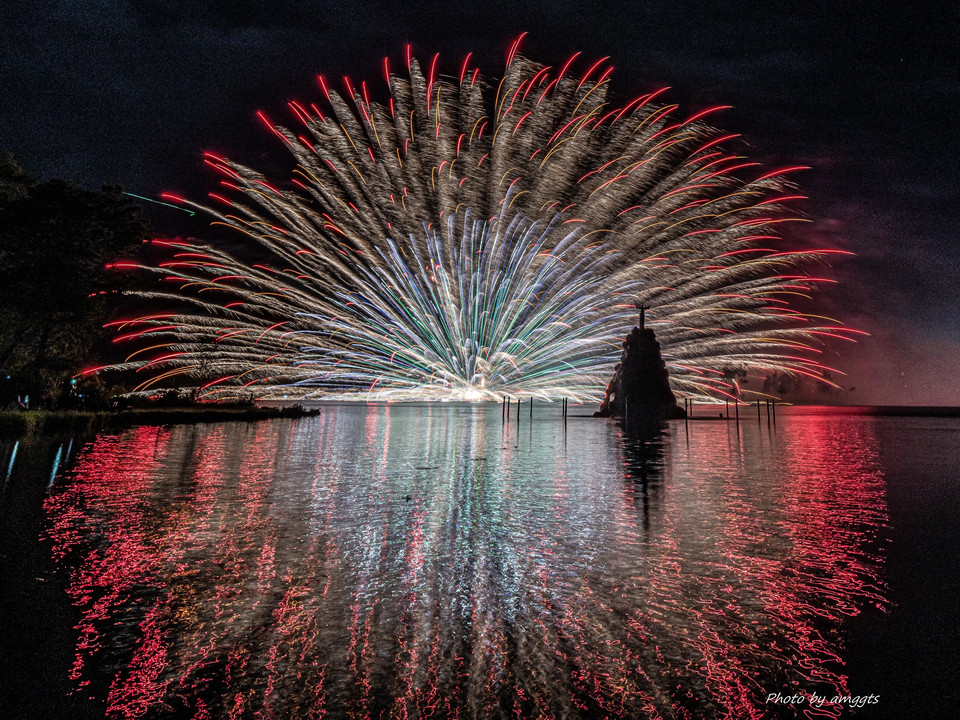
(640, 388)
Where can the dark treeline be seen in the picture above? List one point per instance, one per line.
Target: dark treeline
(55, 293)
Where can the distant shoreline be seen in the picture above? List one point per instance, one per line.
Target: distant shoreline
(14, 424)
(882, 410)
(704, 409)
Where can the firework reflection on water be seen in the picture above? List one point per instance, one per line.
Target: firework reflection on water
(418, 560)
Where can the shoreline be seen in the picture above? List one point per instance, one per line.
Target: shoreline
(22, 423)
(16, 423)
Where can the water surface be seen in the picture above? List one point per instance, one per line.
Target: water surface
(434, 561)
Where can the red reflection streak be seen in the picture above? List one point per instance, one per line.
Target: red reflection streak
(366, 597)
(137, 554)
(829, 507)
(143, 687)
(105, 575)
(407, 658)
(203, 619)
(724, 666)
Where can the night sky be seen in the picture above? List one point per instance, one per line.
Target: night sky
(100, 91)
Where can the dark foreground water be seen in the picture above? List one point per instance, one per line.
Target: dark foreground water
(434, 562)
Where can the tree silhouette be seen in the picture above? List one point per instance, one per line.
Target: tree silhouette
(55, 239)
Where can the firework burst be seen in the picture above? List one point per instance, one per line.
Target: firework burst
(469, 240)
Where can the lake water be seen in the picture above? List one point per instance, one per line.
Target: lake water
(415, 561)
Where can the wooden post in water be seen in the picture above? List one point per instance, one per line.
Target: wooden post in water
(758, 411)
(531, 408)
(767, 403)
(736, 406)
(773, 403)
(518, 409)
(503, 408)
(726, 408)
